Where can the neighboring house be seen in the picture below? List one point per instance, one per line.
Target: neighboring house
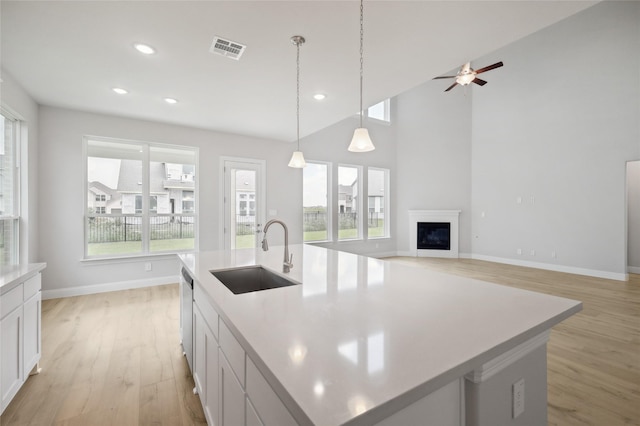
(102, 199)
(171, 187)
(348, 198)
(245, 193)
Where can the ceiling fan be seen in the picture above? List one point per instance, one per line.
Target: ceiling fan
(468, 75)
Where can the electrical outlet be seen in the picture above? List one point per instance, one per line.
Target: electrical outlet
(532, 252)
(518, 398)
(147, 266)
(519, 251)
(553, 254)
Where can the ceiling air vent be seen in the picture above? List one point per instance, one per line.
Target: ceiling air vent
(227, 48)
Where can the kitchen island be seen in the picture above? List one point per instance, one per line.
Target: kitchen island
(364, 341)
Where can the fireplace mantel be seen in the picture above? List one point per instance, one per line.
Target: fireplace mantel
(444, 216)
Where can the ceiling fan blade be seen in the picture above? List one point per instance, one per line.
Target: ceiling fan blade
(444, 76)
(490, 67)
(452, 86)
(479, 82)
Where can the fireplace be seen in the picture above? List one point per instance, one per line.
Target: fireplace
(434, 236)
(433, 233)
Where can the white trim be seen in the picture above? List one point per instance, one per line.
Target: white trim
(633, 269)
(557, 268)
(499, 363)
(107, 287)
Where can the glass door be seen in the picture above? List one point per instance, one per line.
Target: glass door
(243, 202)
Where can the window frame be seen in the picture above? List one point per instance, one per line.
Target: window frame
(387, 112)
(147, 213)
(13, 218)
(359, 204)
(385, 205)
(329, 208)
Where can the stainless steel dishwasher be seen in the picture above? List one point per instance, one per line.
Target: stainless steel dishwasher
(186, 315)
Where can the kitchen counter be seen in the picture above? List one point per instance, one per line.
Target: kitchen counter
(11, 276)
(361, 338)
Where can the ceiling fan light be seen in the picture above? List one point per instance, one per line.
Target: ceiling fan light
(361, 141)
(465, 79)
(297, 160)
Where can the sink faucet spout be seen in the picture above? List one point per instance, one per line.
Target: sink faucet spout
(288, 260)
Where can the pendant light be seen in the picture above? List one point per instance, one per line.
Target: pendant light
(361, 141)
(297, 159)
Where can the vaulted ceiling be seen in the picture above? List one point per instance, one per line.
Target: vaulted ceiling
(73, 53)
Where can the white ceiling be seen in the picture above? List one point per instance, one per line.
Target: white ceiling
(72, 53)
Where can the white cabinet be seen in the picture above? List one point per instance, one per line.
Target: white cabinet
(232, 390)
(20, 310)
(231, 395)
(205, 368)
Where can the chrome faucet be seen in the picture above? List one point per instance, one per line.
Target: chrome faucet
(288, 260)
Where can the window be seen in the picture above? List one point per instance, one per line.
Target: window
(380, 111)
(349, 189)
(148, 204)
(315, 202)
(378, 202)
(9, 190)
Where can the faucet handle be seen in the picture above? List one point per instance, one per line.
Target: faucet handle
(290, 262)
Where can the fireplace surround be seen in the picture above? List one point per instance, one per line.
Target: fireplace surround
(432, 241)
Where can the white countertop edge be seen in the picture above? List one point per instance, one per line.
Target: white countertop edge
(11, 276)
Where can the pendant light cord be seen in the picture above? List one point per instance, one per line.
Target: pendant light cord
(361, 54)
(298, 93)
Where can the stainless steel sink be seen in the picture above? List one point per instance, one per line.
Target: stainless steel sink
(251, 278)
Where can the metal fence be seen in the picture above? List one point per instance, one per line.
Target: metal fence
(118, 228)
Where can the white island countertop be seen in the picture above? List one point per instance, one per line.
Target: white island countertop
(360, 336)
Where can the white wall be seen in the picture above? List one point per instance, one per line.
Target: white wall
(17, 100)
(330, 145)
(555, 127)
(633, 216)
(434, 156)
(62, 194)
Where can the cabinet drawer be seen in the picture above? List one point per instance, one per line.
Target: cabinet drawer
(209, 313)
(11, 300)
(32, 286)
(267, 404)
(233, 351)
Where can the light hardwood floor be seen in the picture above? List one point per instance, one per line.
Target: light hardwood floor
(115, 358)
(593, 357)
(110, 359)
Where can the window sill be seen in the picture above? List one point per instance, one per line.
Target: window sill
(130, 259)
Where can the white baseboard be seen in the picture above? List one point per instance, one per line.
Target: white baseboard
(106, 287)
(558, 268)
(539, 265)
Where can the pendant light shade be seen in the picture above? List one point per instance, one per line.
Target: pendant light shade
(361, 141)
(297, 159)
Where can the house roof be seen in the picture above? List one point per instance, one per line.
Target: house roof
(130, 177)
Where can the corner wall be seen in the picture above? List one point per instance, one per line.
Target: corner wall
(552, 132)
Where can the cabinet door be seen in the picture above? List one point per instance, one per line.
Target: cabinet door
(199, 353)
(31, 313)
(211, 356)
(252, 416)
(231, 395)
(11, 370)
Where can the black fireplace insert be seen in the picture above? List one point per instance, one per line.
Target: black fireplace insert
(434, 236)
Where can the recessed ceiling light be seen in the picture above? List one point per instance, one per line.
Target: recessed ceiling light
(144, 48)
(319, 96)
(171, 100)
(120, 91)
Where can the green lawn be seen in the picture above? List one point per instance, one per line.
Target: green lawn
(129, 247)
(343, 234)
